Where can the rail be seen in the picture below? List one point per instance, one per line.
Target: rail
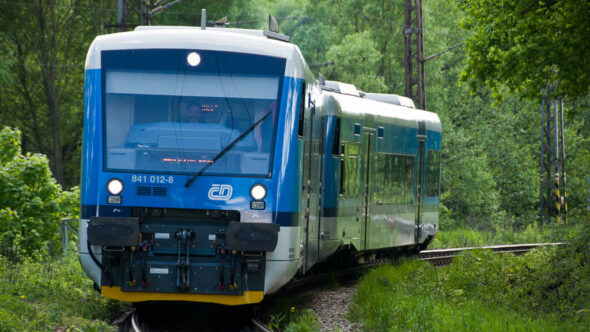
(190, 317)
(445, 256)
(259, 326)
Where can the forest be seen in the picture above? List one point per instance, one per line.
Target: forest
(494, 59)
(486, 90)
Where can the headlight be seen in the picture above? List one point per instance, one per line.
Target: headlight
(193, 59)
(258, 192)
(115, 186)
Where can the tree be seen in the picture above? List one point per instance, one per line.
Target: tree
(43, 47)
(244, 13)
(357, 61)
(523, 44)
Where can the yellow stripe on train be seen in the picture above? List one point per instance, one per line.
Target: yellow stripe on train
(247, 298)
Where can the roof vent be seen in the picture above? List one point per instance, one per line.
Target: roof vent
(390, 99)
(343, 88)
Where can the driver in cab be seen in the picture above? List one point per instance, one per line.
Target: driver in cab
(197, 113)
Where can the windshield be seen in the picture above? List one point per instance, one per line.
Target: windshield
(166, 115)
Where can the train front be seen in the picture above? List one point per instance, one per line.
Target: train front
(180, 131)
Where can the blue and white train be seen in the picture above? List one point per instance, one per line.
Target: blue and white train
(216, 167)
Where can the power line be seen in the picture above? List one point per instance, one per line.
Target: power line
(61, 5)
(430, 57)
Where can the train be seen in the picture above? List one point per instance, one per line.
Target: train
(216, 167)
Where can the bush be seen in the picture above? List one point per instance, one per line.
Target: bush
(546, 289)
(468, 188)
(31, 202)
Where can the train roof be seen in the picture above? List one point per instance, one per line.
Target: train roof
(352, 106)
(253, 42)
(214, 39)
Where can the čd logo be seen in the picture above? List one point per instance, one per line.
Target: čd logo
(220, 192)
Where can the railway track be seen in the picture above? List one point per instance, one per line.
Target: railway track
(178, 316)
(441, 257)
(206, 317)
(438, 257)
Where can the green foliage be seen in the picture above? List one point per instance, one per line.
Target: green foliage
(357, 60)
(276, 321)
(44, 48)
(31, 202)
(507, 38)
(490, 145)
(287, 315)
(577, 140)
(9, 145)
(547, 289)
(44, 294)
(469, 187)
(362, 38)
(243, 13)
(304, 321)
(461, 236)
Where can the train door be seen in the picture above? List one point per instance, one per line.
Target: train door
(319, 149)
(367, 188)
(310, 186)
(421, 137)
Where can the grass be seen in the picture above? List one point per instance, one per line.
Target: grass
(467, 237)
(304, 321)
(289, 314)
(47, 294)
(405, 298)
(547, 289)
(479, 292)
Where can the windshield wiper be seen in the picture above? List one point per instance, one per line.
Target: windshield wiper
(224, 151)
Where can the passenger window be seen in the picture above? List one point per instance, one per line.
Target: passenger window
(352, 170)
(394, 179)
(432, 173)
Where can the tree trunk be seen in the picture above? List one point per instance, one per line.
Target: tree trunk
(47, 55)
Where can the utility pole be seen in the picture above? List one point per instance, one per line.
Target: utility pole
(414, 53)
(121, 15)
(144, 18)
(563, 177)
(124, 10)
(145, 10)
(552, 162)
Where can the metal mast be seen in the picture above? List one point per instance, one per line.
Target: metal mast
(552, 162)
(145, 10)
(414, 52)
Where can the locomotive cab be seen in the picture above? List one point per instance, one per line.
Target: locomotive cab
(179, 153)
